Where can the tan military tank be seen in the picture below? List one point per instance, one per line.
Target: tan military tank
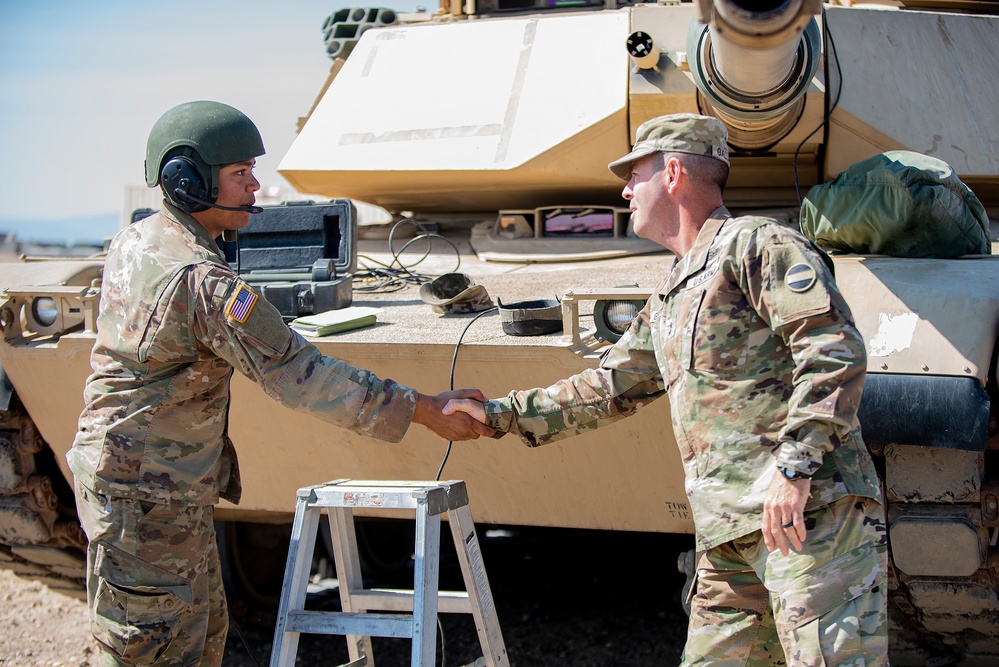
(492, 123)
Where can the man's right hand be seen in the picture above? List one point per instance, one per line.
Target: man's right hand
(472, 408)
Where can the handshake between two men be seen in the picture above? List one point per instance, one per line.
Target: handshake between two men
(454, 415)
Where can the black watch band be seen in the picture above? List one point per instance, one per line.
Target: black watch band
(792, 474)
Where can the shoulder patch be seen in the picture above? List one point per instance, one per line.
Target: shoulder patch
(240, 304)
(800, 277)
(796, 288)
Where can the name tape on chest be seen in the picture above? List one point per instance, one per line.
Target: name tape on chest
(241, 304)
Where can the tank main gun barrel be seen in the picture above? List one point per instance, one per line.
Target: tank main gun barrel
(753, 60)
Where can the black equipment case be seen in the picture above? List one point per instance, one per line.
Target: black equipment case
(300, 255)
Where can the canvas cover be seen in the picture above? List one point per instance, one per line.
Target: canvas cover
(898, 203)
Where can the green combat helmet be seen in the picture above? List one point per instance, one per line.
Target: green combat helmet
(190, 143)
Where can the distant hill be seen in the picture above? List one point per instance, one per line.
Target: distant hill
(90, 230)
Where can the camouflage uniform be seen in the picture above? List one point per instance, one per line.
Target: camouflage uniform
(153, 455)
(763, 366)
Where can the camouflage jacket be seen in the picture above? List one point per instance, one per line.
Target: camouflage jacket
(173, 323)
(763, 365)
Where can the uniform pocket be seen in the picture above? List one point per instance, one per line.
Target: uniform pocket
(824, 588)
(138, 605)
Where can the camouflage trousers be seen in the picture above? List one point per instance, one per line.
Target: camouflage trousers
(154, 585)
(822, 607)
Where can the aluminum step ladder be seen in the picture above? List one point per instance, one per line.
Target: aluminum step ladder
(429, 500)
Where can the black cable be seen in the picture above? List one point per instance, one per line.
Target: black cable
(825, 119)
(443, 651)
(246, 647)
(392, 277)
(454, 361)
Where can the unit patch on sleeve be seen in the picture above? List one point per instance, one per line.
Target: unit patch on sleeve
(241, 304)
(800, 277)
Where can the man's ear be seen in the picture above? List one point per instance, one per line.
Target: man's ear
(672, 174)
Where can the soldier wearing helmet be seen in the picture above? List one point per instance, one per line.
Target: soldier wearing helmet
(152, 454)
(764, 368)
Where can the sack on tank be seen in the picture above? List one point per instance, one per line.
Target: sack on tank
(899, 203)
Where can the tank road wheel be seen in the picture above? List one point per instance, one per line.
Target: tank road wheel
(40, 535)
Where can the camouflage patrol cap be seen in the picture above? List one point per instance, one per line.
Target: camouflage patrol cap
(675, 133)
(455, 293)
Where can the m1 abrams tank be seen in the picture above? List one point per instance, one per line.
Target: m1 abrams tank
(492, 124)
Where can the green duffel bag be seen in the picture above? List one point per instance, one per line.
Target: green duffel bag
(898, 203)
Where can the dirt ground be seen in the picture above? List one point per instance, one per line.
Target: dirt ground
(564, 597)
(42, 628)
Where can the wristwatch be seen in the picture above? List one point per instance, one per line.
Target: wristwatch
(792, 474)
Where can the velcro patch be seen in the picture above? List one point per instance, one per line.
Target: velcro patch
(241, 304)
(796, 289)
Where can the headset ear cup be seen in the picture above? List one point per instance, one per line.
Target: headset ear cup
(181, 180)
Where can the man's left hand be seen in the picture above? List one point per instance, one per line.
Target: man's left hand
(784, 513)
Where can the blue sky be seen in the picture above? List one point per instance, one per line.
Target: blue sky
(81, 83)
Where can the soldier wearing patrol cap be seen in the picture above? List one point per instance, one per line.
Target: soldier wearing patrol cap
(152, 454)
(764, 367)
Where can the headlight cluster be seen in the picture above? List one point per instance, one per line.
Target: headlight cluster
(612, 318)
(614, 309)
(47, 311)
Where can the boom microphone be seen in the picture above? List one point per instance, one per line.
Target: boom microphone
(184, 194)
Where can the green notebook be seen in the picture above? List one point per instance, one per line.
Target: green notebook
(335, 321)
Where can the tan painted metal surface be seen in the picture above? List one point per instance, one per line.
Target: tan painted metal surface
(281, 450)
(482, 115)
(633, 465)
(547, 101)
(937, 97)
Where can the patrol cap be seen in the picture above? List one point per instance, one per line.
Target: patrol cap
(675, 133)
(455, 293)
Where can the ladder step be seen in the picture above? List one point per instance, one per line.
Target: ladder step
(350, 623)
(379, 497)
(383, 599)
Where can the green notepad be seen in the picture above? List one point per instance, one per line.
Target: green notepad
(335, 321)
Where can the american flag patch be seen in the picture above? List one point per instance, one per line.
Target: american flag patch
(241, 304)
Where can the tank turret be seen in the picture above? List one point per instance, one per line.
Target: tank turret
(525, 107)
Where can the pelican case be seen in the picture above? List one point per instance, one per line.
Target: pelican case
(300, 255)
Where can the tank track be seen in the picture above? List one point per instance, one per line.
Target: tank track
(40, 535)
(943, 593)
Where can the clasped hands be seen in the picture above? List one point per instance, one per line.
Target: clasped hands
(454, 415)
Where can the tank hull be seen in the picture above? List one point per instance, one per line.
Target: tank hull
(626, 476)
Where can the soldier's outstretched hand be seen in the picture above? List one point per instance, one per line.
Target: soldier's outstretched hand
(473, 409)
(456, 424)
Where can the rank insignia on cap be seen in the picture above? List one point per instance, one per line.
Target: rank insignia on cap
(241, 304)
(800, 277)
